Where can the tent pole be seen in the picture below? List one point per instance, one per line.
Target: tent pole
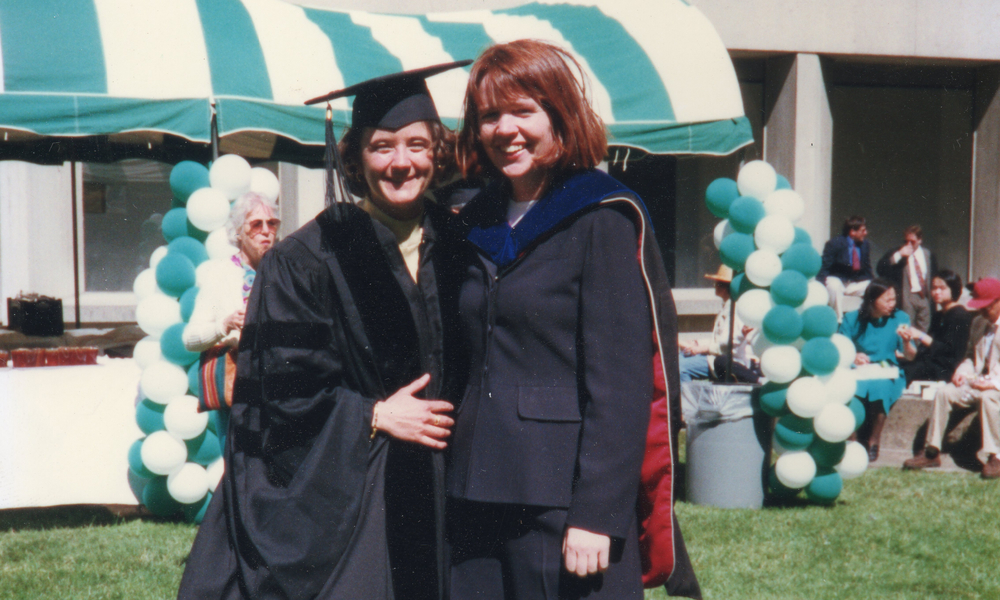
(215, 134)
(76, 247)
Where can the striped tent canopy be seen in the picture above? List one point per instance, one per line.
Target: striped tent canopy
(110, 79)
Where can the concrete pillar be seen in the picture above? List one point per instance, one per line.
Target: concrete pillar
(984, 250)
(798, 135)
(302, 195)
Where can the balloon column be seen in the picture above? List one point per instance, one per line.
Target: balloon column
(176, 466)
(809, 385)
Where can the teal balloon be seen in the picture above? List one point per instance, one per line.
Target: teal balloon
(802, 237)
(189, 247)
(158, 500)
(744, 214)
(741, 284)
(783, 183)
(827, 454)
(777, 488)
(802, 258)
(820, 356)
(172, 346)
(719, 195)
(204, 449)
(194, 379)
(825, 486)
(782, 324)
(196, 233)
(774, 398)
(818, 321)
(794, 432)
(187, 177)
(194, 513)
(149, 418)
(135, 459)
(735, 248)
(858, 408)
(175, 274)
(174, 224)
(187, 301)
(175, 203)
(789, 288)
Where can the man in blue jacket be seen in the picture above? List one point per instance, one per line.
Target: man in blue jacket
(847, 266)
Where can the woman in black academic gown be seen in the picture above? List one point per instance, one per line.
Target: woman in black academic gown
(568, 321)
(334, 484)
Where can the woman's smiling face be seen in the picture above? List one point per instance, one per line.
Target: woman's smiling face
(518, 138)
(398, 167)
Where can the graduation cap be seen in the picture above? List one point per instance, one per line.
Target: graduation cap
(386, 102)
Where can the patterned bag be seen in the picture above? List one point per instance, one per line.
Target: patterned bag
(216, 374)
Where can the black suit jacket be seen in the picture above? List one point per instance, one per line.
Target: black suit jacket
(897, 272)
(837, 261)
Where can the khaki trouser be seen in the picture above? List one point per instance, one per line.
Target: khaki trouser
(949, 396)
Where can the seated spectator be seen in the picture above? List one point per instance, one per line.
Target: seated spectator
(874, 330)
(698, 358)
(933, 356)
(847, 266)
(975, 384)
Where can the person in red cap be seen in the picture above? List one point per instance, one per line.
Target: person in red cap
(976, 382)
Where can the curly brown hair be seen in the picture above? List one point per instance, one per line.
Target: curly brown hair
(350, 152)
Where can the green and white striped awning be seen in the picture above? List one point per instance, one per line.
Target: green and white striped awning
(141, 71)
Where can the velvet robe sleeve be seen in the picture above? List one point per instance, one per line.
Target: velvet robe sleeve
(616, 377)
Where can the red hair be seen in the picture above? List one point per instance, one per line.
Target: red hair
(542, 72)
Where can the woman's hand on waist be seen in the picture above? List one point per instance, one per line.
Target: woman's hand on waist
(585, 553)
(411, 419)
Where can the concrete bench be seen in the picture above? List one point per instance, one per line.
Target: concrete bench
(906, 428)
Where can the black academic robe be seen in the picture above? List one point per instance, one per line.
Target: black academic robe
(310, 506)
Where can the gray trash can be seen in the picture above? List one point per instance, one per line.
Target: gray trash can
(728, 447)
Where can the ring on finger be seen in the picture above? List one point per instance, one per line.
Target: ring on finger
(437, 420)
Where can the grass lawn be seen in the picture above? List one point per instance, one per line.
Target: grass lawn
(890, 535)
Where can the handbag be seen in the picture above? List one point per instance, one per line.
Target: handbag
(216, 374)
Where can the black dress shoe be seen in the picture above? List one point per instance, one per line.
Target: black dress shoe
(873, 454)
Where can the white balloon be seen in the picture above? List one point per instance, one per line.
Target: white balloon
(162, 453)
(787, 203)
(835, 423)
(855, 461)
(188, 484)
(806, 397)
(840, 386)
(762, 267)
(208, 209)
(217, 245)
(721, 230)
(756, 179)
(848, 351)
(215, 472)
(156, 256)
(156, 312)
(752, 306)
(264, 183)
(781, 364)
(145, 284)
(182, 418)
(163, 381)
(775, 233)
(795, 469)
(816, 295)
(147, 351)
(760, 344)
(220, 272)
(230, 175)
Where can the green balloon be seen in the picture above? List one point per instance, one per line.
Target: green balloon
(194, 379)
(186, 177)
(779, 489)
(818, 321)
(827, 454)
(802, 237)
(196, 233)
(149, 418)
(135, 459)
(782, 324)
(802, 258)
(172, 346)
(188, 299)
(794, 432)
(744, 214)
(175, 203)
(820, 356)
(174, 224)
(175, 274)
(858, 408)
(158, 500)
(783, 183)
(204, 449)
(189, 247)
(789, 288)
(773, 398)
(825, 486)
(735, 248)
(194, 513)
(740, 285)
(719, 195)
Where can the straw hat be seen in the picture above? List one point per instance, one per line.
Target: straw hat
(724, 274)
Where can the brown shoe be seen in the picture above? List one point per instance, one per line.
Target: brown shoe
(924, 461)
(991, 470)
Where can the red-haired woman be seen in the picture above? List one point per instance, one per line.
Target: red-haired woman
(563, 325)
